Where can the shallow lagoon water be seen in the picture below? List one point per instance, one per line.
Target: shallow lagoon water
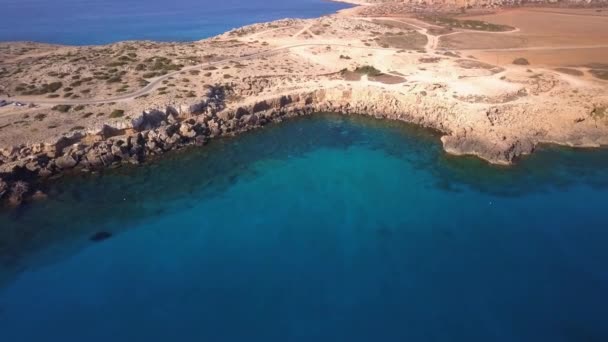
(326, 228)
(86, 22)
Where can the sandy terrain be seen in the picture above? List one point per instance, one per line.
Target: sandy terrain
(549, 28)
(557, 57)
(450, 74)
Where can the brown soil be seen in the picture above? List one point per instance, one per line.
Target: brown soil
(553, 57)
(552, 29)
(581, 33)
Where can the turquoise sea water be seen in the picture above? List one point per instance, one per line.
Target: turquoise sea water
(84, 22)
(324, 228)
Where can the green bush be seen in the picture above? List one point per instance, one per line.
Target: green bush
(114, 79)
(368, 70)
(43, 89)
(117, 113)
(521, 61)
(62, 108)
(53, 87)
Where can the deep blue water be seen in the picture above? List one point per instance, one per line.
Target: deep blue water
(322, 228)
(84, 22)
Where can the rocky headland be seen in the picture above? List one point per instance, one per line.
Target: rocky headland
(83, 109)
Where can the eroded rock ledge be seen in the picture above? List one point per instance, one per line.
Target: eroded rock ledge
(500, 136)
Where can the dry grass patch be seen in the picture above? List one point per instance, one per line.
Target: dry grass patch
(429, 59)
(475, 25)
(393, 24)
(472, 64)
(406, 41)
(435, 31)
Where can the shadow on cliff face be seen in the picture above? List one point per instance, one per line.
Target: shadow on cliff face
(80, 206)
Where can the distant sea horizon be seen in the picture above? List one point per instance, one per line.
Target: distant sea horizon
(89, 22)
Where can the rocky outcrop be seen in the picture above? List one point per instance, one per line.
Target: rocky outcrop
(17, 193)
(148, 120)
(66, 162)
(3, 188)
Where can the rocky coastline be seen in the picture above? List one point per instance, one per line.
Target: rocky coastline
(93, 108)
(151, 134)
(155, 132)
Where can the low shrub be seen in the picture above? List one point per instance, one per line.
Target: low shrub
(117, 113)
(62, 108)
(521, 61)
(114, 79)
(368, 70)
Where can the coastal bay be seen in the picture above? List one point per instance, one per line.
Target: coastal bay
(406, 67)
(350, 227)
(392, 172)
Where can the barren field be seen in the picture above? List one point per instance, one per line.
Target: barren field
(554, 57)
(549, 37)
(547, 28)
